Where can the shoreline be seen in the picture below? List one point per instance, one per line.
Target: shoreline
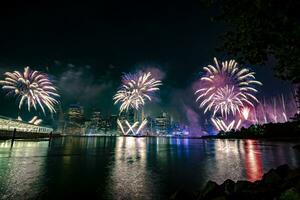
(272, 132)
(215, 137)
(280, 183)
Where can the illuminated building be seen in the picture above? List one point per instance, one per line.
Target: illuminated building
(96, 117)
(150, 124)
(162, 123)
(8, 124)
(100, 124)
(75, 114)
(61, 122)
(96, 120)
(88, 128)
(75, 120)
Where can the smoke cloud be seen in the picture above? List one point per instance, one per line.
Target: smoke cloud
(79, 85)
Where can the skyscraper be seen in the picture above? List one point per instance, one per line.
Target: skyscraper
(75, 123)
(76, 114)
(96, 120)
(162, 123)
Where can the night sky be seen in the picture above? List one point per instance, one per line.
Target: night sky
(86, 47)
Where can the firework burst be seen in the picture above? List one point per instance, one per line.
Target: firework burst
(135, 90)
(226, 88)
(32, 88)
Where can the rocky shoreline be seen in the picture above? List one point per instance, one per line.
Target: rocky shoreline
(281, 183)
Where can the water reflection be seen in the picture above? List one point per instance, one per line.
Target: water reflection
(245, 159)
(225, 160)
(132, 168)
(253, 161)
(129, 176)
(21, 169)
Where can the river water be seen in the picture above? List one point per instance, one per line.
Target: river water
(131, 168)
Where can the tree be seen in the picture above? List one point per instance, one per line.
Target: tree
(263, 30)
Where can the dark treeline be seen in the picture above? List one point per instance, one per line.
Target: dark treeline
(271, 130)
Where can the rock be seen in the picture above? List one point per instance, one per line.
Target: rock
(282, 183)
(242, 186)
(271, 178)
(228, 186)
(290, 194)
(245, 190)
(282, 170)
(292, 179)
(210, 191)
(182, 194)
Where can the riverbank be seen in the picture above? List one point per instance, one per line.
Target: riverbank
(279, 131)
(281, 183)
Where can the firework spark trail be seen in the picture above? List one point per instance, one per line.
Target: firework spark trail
(245, 112)
(276, 110)
(222, 126)
(264, 112)
(142, 125)
(283, 108)
(31, 87)
(255, 117)
(135, 90)
(226, 88)
(130, 127)
(35, 120)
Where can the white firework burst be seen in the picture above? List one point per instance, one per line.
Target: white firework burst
(135, 90)
(31, 87)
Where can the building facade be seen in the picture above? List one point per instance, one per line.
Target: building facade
(162, 124)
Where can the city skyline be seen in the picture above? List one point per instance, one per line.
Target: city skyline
(285, 105)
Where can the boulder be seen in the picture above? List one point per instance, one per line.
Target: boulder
(282, 170)
(228, 186)
(281, 183)
(245, 190)
(271, 178)
(182, 194)
(290, 194)
(242, 186)
(292, 180)
(211, 190)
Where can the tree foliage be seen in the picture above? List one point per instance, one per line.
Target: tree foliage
(261, 30)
